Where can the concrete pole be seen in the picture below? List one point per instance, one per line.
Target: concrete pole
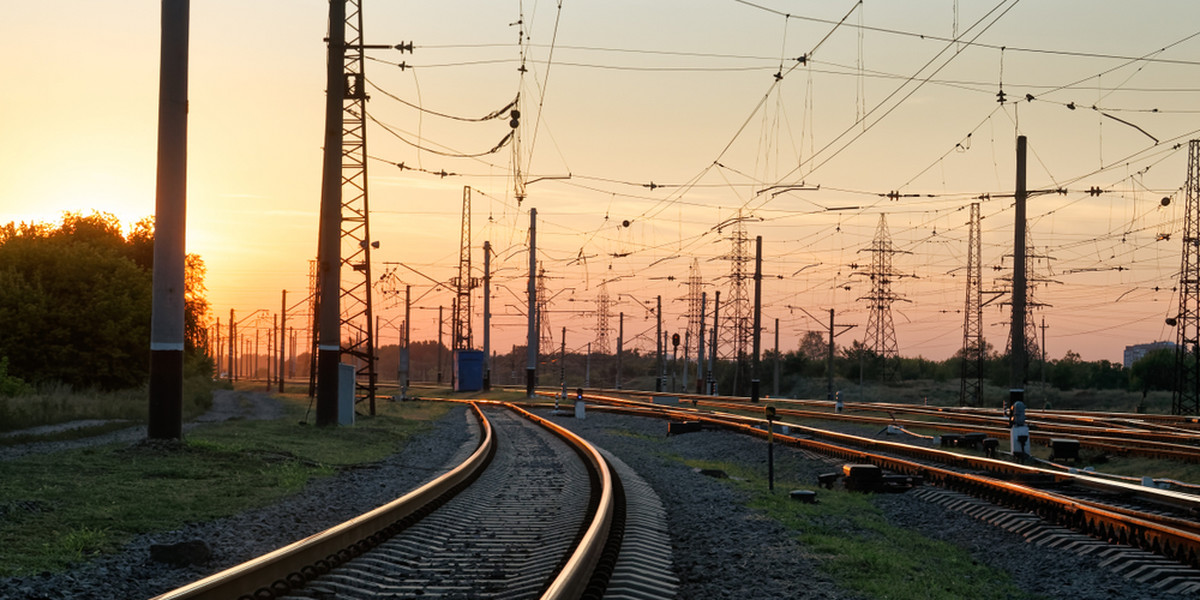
(712, 359)
(283, 337)
(441, 326)
(620, 343)
(170, 227)
(329, 254)
(700, 348)
(487, 316)
(776, 390)
(754, 366)
(829, 363)
(232, 335)
(658, 378)
(532, 334)
(1018, 345)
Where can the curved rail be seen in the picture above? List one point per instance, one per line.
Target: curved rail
(290, 567)
(576, 574)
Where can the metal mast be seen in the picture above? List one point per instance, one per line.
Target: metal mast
(1186, 397)
(695, 306)
(546, 342)
(735, 337)
(881, 333)
(603, 312)
(464, 283)
(971, 386)
(358, 339)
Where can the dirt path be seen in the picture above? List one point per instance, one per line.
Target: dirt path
(227, 404)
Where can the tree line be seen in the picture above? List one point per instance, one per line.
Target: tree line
(76, 300)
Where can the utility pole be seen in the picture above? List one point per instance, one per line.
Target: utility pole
(700, 347)
(754, 360)
(232, 335)
(282, 336)
(712, 357)
(776, 390)
(1018, 348)
(406, 357)
(167, 331)
(329, 254)
(620, 343)
(562, 367)
(1185, 400)
(441, 326)
(660, 366)
(532, 339)
(587, 369)
(487, 316)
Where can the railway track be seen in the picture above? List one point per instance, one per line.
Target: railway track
(1152, 436)
(534, 512)
(1156, 521)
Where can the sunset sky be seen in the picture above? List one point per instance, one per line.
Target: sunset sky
(705, 100)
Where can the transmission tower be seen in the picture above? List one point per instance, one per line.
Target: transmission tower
(546, 332)
(604, 305)
(464, 283)
(881, 333)
(971, 388)
(694, 309)
(1185, 400)
(735, 335)
(1032, 346)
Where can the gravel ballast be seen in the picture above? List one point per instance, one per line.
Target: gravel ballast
(721, 549)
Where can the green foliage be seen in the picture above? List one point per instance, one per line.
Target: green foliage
(75, 302)
(9, 385)
(1154, 371)
(854, 543)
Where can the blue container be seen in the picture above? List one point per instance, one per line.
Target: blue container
(468, 370)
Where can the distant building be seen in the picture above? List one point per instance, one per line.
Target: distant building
(1136, 352)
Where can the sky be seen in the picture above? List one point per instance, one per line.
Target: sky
(671, 115)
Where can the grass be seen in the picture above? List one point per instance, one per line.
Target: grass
(59, 404)
(862, 552)
(57, 509)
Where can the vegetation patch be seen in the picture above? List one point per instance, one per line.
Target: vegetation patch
(855, 544)
(65, 507)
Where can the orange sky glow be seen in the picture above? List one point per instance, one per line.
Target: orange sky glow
(621, 94)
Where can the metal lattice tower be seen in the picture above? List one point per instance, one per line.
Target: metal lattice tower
(545, 331)
(1033, 348)
(604, 305)
(1185, 400)
(464, 283)
(971, 388)
(881, 332)
(735, 336)
(695, 287)
(357, 323)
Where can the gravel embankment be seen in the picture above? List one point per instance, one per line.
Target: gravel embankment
(722, 550)
(131, 575)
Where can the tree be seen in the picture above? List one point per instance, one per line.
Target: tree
(75, 302)
(1154, 371)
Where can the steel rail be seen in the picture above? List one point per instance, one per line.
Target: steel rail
(1154, 444)
(576, 575)
(1151, 532)
(290, 567)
